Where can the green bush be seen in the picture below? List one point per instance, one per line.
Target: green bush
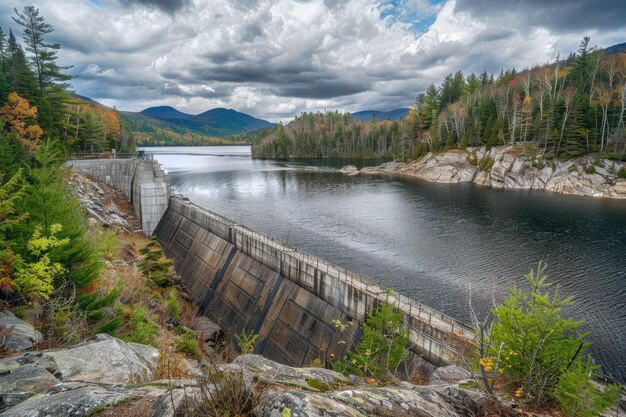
(621, 173)
(578, 396)
(144, 330)
(111, 326)
(154, 265)
(382, 348)
(173, 304)
(533, 345)
(106, 243)
(188, 343)
(590, 169)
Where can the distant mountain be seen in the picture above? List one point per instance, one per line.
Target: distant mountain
(396, 114)
(85, 98)
(165, 112)
(217, 123)
(615, 49)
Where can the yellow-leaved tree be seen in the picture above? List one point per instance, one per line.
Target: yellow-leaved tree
(35, 279)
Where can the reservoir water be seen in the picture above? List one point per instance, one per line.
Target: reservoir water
(435, 243)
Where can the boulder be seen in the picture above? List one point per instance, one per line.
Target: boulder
(349, 170)
(452, 374)
(18, 384)
(105, 359)
(16, 335)
(270, 372)
(420, 401)
(78, 399)
(448, 167)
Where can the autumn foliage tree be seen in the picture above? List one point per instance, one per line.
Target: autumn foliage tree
(20, 120)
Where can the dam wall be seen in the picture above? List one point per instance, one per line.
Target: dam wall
(248, 281)
(141, 180)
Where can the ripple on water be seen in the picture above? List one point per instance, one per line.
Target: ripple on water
(430, 242)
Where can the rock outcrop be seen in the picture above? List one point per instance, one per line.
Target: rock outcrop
(104, 203)
(16, 335)
(374, 401)
(102, 360)
(349, 170)
(508, 167)
(79, 381)
(105, 359)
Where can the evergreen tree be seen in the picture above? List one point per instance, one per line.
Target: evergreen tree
(50, 79)
(20, 76)
(43, 55)
(5, 85)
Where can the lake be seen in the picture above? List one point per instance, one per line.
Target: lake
(435, 243)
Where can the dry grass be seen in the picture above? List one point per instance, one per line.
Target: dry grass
(171, 363)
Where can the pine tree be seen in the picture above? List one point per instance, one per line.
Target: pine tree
(44, 55)
(20, 76)
(5, 85)
(51, 81)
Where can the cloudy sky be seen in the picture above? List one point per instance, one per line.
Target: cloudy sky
(275, 59)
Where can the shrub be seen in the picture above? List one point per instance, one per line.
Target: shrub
(188, 343)
(106, 243)
(154, 265)
(382, 348)
(111, 326)
(246, 341)
(539, 165)
(222, 393)
(68, 324)
(35, 279)
(622, 173)
(590, 169)
(173, 304)
(532, 345)
(473, 159)
(578, 396)
(143, 330)
(171, 364)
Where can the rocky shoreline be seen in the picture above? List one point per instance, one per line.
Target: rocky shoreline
(509, 167)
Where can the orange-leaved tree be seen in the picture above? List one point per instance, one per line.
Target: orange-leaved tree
(20, 120)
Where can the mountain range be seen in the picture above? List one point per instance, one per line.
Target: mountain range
(215, 123)
(218, 122)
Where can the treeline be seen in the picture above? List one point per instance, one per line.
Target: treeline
(333, 134)
(35, 103)
(568, 108)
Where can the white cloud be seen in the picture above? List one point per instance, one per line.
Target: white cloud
(275, 59)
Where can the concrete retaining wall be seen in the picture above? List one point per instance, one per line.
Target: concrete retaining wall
(246, 280)
(142, 181)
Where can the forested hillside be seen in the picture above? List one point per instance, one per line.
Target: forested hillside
(571, 107)
(165, 125)
(150, 131)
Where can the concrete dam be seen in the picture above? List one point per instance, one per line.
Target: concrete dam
(245, 280)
